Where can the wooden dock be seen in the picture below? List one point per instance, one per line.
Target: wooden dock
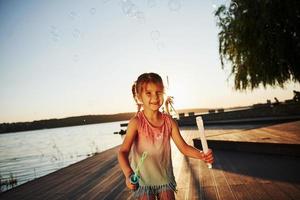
(235, 174)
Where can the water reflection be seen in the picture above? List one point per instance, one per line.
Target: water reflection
(31, 154)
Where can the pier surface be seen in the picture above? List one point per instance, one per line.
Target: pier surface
(235, 174)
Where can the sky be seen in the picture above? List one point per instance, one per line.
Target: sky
(64, 58)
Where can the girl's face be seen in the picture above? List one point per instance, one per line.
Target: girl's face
(152, 96)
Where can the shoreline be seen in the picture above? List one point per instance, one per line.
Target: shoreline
(64, 122)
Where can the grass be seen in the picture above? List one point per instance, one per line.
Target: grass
(8, 182)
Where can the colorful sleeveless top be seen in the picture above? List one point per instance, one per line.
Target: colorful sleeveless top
(156, 172)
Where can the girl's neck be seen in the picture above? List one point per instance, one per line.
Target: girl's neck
(152, 115)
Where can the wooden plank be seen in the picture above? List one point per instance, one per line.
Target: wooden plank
(125, 194)
(184, 177)
(181, 180)
(241, 192)
(257, 192)
(97, 185)
(195, 190)
(81, 181)
(280, 133)
(235, 175)
(274, 192)
(223, 187)
(209, 193)
(289, 189)
(231, 173)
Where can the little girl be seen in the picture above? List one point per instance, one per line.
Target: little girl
(149, 132)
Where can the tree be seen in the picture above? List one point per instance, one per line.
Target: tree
(261, 39)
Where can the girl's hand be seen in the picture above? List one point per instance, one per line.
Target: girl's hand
(130, 185)
(208, 157)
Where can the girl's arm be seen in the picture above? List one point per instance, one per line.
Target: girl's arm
(126, 146)
(186, 149)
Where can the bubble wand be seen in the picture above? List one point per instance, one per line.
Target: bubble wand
(170, 100)
(134, 178)
(202, 137)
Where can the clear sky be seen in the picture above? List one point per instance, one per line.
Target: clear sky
(63, 58)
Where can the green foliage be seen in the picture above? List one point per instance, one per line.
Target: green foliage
(260, 38)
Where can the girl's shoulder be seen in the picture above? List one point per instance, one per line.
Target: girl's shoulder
(167, 116)
(172, 122)
(169, 120)
(133, 122)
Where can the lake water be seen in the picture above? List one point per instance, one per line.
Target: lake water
(28, 155)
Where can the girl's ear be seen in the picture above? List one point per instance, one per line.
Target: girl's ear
(139, 99)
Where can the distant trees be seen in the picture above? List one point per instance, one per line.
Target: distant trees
(64, 122)
(261, 39)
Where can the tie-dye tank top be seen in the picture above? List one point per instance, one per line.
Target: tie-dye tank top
(156, 172)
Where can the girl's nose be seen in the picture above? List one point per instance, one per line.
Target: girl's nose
(155, 96)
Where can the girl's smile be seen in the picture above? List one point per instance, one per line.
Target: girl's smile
(152, 96)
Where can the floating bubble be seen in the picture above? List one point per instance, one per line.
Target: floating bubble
(133, 11)
(105, 1)
(93, 11)
(127, 7)
(75, 57)
(54, 33)
(160, 45)
(155, 35)
(140, 16)
(151, 3)
(174, 5)
(76, 33)
(53, 29)
(73, 15)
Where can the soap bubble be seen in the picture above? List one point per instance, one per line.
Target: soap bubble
(75, 57)
(160, 45)
(73, 15)
(128, 7)
(155, 35)
(131, 10)
(151, 3)
(140, 16)
(93, 11)
(54, 33)
(174, 5)
(76, 33)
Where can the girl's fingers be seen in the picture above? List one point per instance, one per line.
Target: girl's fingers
(210, 161)
(130, 185)
(209, 158)
(133, 187)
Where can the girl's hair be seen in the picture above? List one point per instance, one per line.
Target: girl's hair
(142, 80)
